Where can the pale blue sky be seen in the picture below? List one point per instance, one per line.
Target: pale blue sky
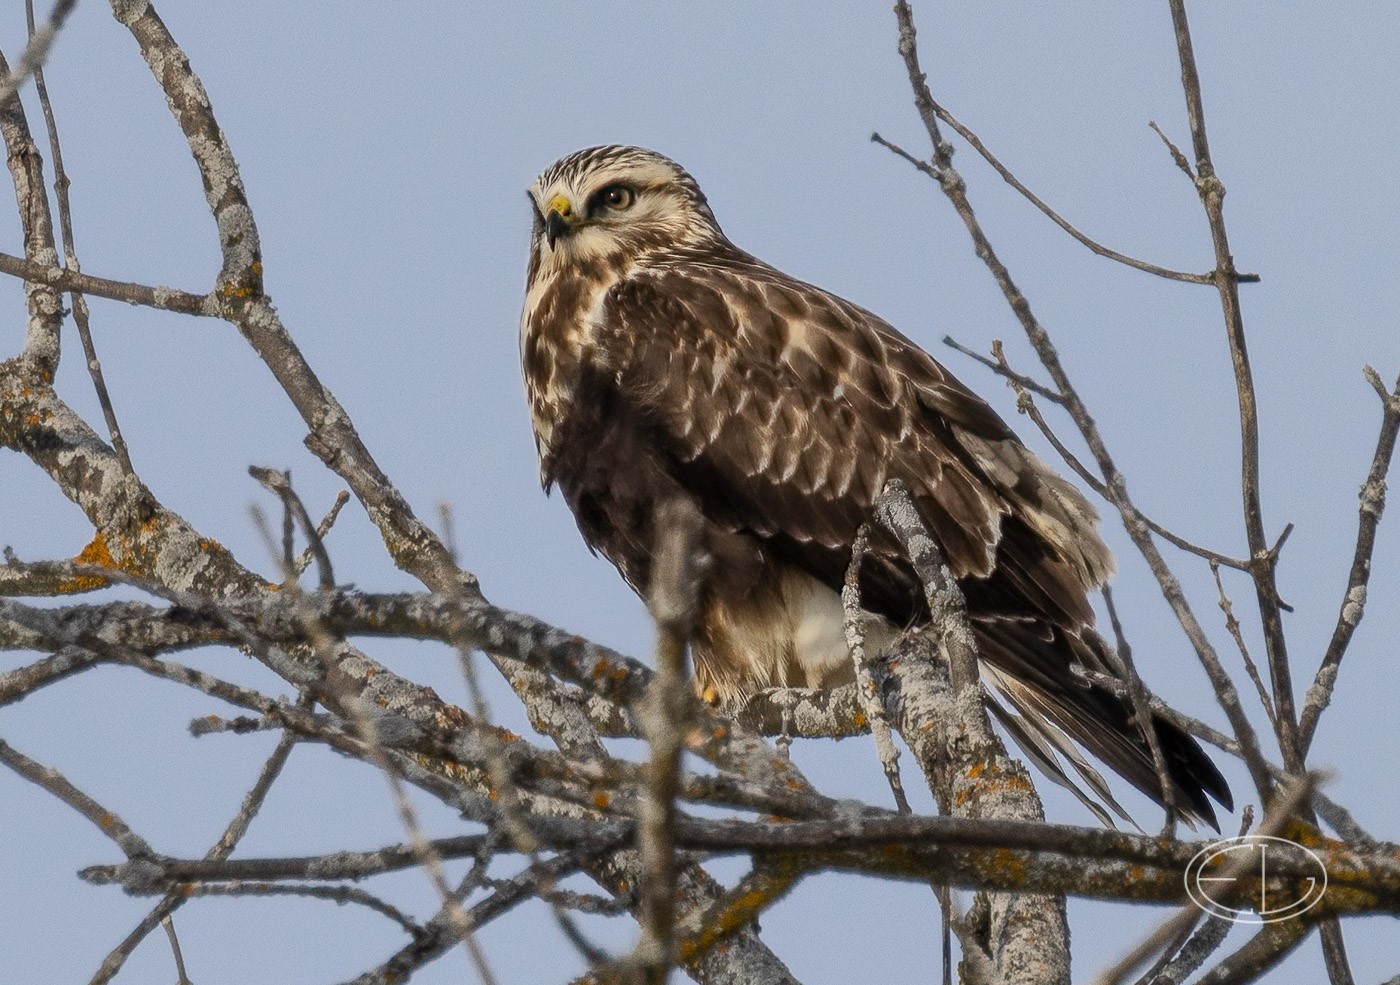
(386, 150)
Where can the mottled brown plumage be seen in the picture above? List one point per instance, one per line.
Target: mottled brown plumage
(663, 362)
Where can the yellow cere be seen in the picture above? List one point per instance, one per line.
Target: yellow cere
(560, 204)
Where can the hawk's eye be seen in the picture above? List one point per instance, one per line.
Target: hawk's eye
(615, 197)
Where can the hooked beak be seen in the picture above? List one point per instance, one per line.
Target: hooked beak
(559, 220)
(554, 227)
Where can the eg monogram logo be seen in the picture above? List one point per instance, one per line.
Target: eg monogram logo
(1216, 875)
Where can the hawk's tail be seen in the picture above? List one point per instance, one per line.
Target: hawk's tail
(1029, 664)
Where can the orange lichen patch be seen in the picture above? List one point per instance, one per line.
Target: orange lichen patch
(975, 770)
(859, 719)
(106, 820)
(740, 910)
(719, 732)
(231, 290)
(136, 555)
(493, 794)
(1005, 861)
(1306, 835)
(1011, 783)
(95, 554)
(187, 890)
(601, 800)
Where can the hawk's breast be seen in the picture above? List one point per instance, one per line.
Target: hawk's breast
(557, 326)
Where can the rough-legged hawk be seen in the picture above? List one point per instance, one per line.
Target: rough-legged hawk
(663, 362)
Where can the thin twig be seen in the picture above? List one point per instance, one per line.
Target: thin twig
(61, 184)
(133, 846)
(294, 510)
(24, 681)
(900, 152)
(1232, 626)
(183, 978)
(1001, 368)
(1353, 606)
(161, 298)
(1185, 960)
(440, 933)
(323, 528)
(513, 811)
(1142, 712)
(31, 61)
(1026, 405)
(1212, 193)
(336, 894)
(1177, 157)
(1060, 221)
(865, 683)
(323, 868)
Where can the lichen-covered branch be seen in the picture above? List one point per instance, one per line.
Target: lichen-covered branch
(937, 707)
(41, 344)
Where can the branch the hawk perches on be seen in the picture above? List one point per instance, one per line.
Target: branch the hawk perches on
(662, 362)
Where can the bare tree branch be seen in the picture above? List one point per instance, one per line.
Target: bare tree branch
(31, 62)
(953, 186)
(1212, 192)
(39, 360)
(41, 38)
(1354, 598)
(976, 143)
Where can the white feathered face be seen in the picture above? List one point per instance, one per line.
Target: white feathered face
(612, 203)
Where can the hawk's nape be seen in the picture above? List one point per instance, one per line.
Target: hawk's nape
(663, 362)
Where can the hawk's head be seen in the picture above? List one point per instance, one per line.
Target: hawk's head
(612, 203)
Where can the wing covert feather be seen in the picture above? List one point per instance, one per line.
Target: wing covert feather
(793, 408)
